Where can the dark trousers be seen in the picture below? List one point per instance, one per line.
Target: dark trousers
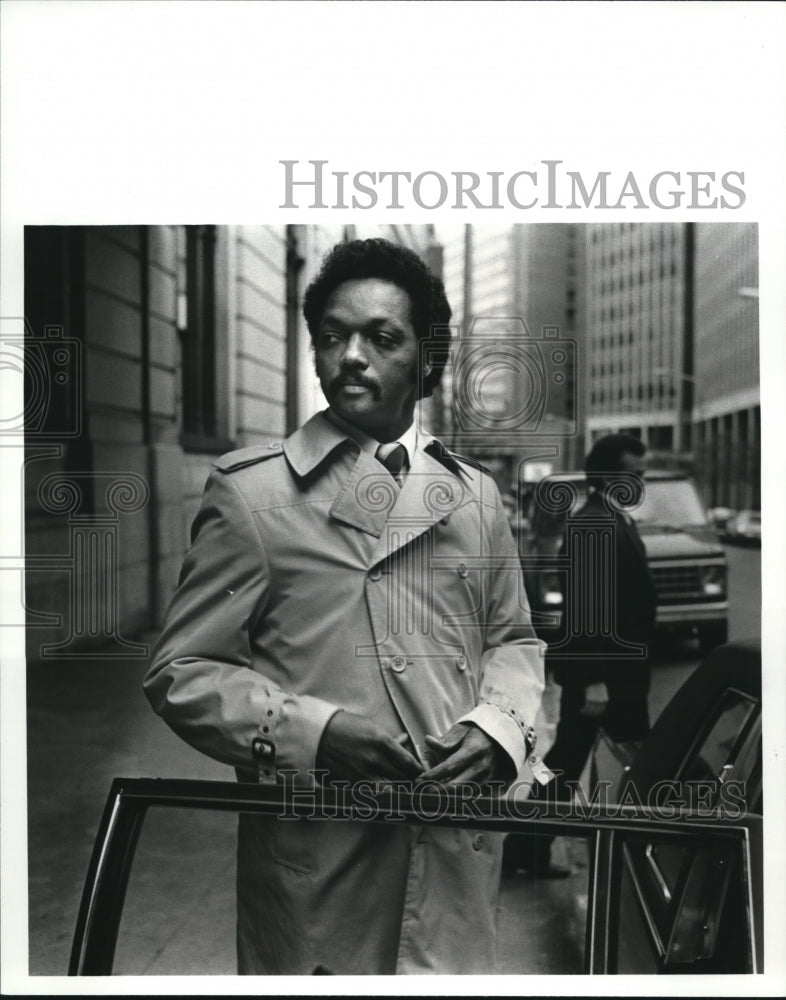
(625, 719)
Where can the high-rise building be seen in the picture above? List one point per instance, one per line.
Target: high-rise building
(726, 409)
(639, 332)
(516, 293)
(672, 341)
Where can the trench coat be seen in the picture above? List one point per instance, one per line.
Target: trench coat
(314, 584)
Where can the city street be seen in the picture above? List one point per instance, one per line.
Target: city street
(674, 661)
(562, 335)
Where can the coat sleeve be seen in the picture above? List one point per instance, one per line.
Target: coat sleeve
(512, 678)
(201, 679)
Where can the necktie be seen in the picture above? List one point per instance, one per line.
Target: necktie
(393, 456)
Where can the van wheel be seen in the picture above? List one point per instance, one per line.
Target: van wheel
(711, 636)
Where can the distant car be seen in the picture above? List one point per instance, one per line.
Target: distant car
(686, 558)
(720, 517)
(745, 527)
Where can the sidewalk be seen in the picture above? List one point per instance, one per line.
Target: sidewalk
(90, 722)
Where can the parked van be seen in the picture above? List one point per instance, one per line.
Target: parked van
(686, 558)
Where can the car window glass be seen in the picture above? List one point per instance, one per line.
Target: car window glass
(672, 899)
(667, 861)
(179, 912)
(673, 502)
(716, 748)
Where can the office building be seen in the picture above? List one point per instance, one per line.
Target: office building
(727, 404)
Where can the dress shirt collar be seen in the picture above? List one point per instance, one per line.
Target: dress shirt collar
(367, 443)
(320, 436)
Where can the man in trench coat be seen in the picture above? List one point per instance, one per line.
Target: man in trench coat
(335, 612)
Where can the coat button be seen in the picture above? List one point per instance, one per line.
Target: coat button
(461, 664)
(477, 843)
(463, 572)
(375, 574)
(262, 749)
(399, 664)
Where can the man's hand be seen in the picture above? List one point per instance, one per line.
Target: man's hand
(464, 753)
(596, 698)
(353, 748)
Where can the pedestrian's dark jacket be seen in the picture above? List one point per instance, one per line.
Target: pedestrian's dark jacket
(609, 599)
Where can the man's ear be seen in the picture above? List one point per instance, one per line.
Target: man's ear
(424, 391)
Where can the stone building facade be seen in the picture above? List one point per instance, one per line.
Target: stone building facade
(149, 351)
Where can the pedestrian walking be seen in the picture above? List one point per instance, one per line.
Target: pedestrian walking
(601, 656)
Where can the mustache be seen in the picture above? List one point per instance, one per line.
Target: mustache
(345, 379)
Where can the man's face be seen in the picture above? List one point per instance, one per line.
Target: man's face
(367, 355)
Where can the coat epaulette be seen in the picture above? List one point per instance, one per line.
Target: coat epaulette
(470, 462)
(243, 457)
(451, 459)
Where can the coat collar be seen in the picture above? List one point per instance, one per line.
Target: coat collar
(312, 443)
(435, 486)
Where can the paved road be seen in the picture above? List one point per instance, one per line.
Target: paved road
(675, 661)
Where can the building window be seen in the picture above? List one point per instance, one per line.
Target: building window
(662, 438)
(202, 328)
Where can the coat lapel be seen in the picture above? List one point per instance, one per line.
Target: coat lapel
(367, 497)
(430, 494)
